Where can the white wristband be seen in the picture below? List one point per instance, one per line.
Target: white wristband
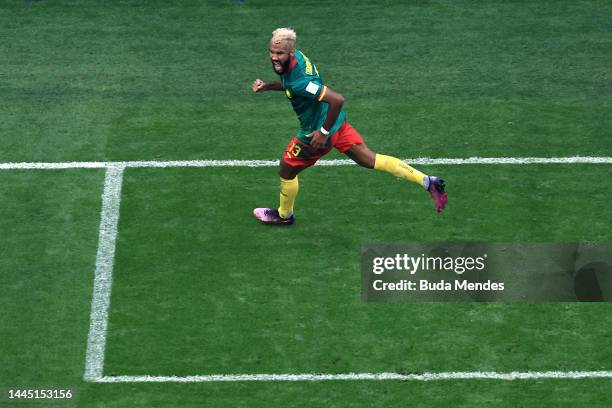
(325, 132)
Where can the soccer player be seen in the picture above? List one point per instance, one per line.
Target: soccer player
(319, 110)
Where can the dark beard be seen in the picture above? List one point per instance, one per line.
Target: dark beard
(284, 65)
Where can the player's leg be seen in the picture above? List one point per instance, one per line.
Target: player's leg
(350, 142)
(289, 187)
(296, 157)
(362, 155)
(365, 157)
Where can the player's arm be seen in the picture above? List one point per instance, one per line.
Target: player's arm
(261, 86)
(335, 101)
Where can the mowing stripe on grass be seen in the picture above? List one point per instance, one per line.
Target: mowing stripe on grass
(274, 163)
(459, 375)
(100, 302)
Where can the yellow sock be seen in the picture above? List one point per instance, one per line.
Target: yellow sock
(288, 192)
(399, 169)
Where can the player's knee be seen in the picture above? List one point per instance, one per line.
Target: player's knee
(370, 161)
(287, 172)
(367, 159)
(363, 156)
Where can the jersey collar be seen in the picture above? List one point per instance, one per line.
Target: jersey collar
(291, 65)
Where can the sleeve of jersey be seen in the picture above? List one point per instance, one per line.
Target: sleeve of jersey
(311, 88)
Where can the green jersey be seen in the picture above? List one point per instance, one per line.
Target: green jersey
(304, 88)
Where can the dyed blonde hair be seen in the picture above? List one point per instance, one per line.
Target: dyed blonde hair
(284, 35)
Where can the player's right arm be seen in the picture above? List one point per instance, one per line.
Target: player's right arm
(260, 86)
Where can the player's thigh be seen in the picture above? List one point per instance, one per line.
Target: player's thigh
(297, 157)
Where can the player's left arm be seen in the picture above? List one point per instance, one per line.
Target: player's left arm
(335, 101)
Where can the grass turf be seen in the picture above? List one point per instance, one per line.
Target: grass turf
(48, 246)
(288, 300)
(129, 80)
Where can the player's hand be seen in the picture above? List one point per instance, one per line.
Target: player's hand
(258, 85)
(318, 139)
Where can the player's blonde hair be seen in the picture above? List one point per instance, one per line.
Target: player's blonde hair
(284, 34)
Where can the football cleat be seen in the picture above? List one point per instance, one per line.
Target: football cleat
(436, 189)
(271, 216)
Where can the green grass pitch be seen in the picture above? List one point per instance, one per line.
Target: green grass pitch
(199, 287)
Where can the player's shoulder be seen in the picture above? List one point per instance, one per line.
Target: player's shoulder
(305, 67)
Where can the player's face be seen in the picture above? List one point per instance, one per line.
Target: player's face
(280, 56)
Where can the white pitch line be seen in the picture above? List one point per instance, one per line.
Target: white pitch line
(105, 258)
(460, 375)
(274, 163)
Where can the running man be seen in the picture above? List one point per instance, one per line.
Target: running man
(319, 110)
